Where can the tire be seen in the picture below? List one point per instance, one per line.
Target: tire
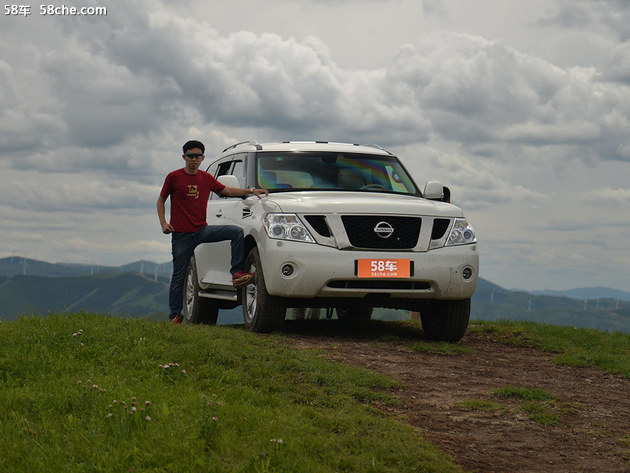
(445, 321)
(261, 312)
(197, 310)
(354, 314)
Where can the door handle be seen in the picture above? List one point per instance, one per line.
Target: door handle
(219, 213)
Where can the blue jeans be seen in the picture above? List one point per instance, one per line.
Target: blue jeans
(183, 247)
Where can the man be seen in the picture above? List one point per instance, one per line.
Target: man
(189, 189)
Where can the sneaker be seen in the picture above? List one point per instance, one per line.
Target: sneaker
(241, 278)
(177, 320)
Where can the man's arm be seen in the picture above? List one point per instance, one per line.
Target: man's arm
(161, 210)
(237, 192)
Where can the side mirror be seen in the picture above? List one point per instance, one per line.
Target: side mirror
(433, 190)
(228, 180)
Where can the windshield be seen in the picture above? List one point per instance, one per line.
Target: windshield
(290, 170)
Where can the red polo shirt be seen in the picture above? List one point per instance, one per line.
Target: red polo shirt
(189, 198)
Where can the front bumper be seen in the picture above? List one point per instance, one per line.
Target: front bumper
(325, 272)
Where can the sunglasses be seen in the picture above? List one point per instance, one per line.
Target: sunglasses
(194, 155)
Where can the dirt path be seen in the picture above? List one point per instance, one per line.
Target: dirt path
(593, 408)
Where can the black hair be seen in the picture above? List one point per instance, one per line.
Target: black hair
(193, 144)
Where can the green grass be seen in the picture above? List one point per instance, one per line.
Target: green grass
(88, 393)
(537, 405)
(573, 346)
(482, 405)
(524, 393)
(540, 413)
(608, 352)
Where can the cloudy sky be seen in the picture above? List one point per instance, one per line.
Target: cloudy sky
(522, 107)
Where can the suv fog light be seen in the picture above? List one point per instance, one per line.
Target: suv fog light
(467, 273)
(287, 270)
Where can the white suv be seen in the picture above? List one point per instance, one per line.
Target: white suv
(344, 228)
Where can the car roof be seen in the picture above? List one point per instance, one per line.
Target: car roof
(307, 146)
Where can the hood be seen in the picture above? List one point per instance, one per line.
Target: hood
(359, 203)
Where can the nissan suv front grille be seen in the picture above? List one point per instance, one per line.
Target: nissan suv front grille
(382, 232)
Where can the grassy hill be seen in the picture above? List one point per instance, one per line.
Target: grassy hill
(86, 392)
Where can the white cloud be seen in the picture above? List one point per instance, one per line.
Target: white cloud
(434, 8)
(77, 192)
(609, 16)
(461, 87)
(478, 91)
(517, 108)
(608, 196)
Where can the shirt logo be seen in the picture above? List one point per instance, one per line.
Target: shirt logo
(193, 191)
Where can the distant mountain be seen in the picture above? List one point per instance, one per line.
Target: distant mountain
(491, 302)
(588, 293)
(124, 294)
(140, 289)
(15, 265)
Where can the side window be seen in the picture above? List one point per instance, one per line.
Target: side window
(239, 171)
(224, 168)
(220, 170)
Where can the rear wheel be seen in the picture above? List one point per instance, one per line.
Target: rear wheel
(197, 309)
(352, 314)
(445, 320)
(261, 311)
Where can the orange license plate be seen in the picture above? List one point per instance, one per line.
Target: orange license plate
(384, 268)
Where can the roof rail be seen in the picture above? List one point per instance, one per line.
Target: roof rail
(259, 146)
(372, 145)
(301, 141)
(322, 142)
(349, 144)
(250, 142)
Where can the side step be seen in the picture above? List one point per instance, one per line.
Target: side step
(225, 295)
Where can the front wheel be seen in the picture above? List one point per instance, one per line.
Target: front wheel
(445, 320)
(261, 311)
(197, 309)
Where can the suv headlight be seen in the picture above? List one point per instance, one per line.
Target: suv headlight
(462, 233)
(286, 227)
